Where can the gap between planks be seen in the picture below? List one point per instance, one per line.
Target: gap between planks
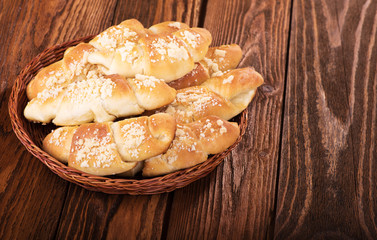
(270, 230)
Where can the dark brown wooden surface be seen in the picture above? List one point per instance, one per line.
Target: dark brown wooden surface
(238, 199)
(305, 168)
(326, 183)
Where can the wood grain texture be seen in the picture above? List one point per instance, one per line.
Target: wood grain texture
(326, 172)
(237, 200)
(31, 197)
(319, 145)
(91, 215)
(358, 33)
(156, 11)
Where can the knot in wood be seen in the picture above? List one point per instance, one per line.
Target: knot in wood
(267, 90)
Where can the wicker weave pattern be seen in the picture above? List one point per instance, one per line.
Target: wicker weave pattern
(31, 136)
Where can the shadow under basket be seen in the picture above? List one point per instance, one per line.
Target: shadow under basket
(31, 136)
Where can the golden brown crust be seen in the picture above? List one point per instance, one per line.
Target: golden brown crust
(123, 101)
(58, 143)
(140, 138)
(166, 56)
(117, 35)
(73, 67)
(118, 51)
(234, 82)
(192, 144)
(197, 40)
(197, 102)
(151, 92)
(167, 27)
(193, 78)
(215, 134)
(75, 61)
(53, 72)
(217, 61)
(222, 58)
(94, 151)
(238, 86)
(224, 96)
(82, 101)
(43, 108)
(184, 152)
(110, 148)
(166, 50)
(100, 99)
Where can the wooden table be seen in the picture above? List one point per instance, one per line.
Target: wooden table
(305, 168)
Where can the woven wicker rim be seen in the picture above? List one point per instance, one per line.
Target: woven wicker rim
(146, 186)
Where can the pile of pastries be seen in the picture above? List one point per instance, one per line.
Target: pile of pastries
(133, 99)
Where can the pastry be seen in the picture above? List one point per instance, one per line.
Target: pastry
(99, 98)
(115, 148)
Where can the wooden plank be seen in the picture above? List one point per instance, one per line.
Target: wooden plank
(326, 172)
(31, 197)
(94, 215)
(152, 12)
(358, 27)
(237, 200)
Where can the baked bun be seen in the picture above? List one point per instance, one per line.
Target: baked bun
(73, 67)
(192, 144)
(118, 148)
(93, 150)
(99, 98)
(164, 51)
(111, 148)
(140, 138)
(167, 70)
(224, 96)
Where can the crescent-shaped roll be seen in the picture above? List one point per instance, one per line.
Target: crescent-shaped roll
(73, 67)
(93, 150)
(224, 96)
(127, 70)
(164, 51)
(112, 148)
(99, 98)
(192, 144)
(143, 137)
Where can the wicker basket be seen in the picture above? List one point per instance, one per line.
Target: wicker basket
(31, 136)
